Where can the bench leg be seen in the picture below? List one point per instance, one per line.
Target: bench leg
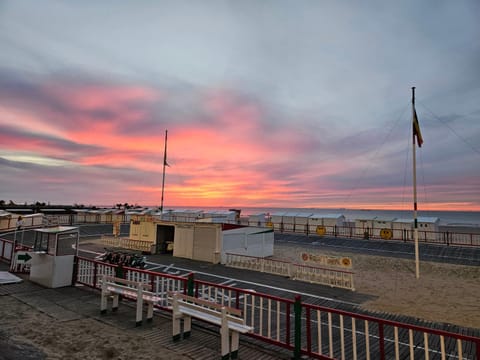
(234, 344)
(187, 327)
(224, 335)
(176, 333)
(116, 298)
(139, 311)
(103, 303)
(150, 312)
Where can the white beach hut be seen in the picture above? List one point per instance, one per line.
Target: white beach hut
(277, 220)
(221, 216)
(186, 215)
(249, 241)
(428, 228)
(258, 219)
(301, 222)
(364, 225)
(383, 227)
(288, 220)
(81, 215)
(324, 223)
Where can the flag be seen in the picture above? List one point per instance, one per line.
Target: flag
(416, 129)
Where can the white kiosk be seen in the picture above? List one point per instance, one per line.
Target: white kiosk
(53, 256)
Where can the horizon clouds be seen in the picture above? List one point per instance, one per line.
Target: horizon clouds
(265, 105)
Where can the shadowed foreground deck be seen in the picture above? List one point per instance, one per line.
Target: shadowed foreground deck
(75, 304)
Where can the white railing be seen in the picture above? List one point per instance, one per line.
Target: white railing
(89, 272)
(126, 243)
(320, 275)
(307, 329)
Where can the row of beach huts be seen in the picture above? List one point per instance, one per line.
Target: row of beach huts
(301, 222)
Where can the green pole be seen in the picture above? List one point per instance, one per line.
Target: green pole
(297, 308)
(119, 271)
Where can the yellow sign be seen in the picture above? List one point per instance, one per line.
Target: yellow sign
(321, 230)
(386, 234)
(326, 260)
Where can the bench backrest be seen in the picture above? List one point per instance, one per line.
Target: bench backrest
(206, 305)
(115, 280)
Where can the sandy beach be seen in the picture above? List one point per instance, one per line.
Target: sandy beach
(444, 293)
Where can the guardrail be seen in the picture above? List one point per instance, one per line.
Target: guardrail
(425, 236)
(304, 329)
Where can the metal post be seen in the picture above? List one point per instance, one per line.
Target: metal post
(415, 222)
(297, 308)
(163, 175)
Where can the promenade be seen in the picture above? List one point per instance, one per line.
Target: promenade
(39, 323)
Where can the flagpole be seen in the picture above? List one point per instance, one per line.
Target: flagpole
(163, 175)
(415, 222)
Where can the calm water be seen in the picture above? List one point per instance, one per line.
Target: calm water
(471, 218)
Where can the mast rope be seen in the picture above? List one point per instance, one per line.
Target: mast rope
(374, 156)
(465, 141)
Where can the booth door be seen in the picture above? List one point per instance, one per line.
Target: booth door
(165, 238)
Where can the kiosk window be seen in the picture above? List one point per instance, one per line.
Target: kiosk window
(41, 242)
(67, 244)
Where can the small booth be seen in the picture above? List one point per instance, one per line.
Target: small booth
(53, 256)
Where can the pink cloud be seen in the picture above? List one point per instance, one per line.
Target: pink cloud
(99, 97)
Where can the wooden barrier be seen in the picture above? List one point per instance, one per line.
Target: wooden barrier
(229, 319)
(126, 243)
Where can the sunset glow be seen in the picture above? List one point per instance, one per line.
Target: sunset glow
(256, 116)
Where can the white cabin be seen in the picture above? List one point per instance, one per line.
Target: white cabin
(221, 217)
(328, 221)
(364, 225)
(277, 220)
(428, 228)
(301, 222)
(258, 219)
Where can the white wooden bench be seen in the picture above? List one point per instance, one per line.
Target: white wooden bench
(229, 319)
(114, 287)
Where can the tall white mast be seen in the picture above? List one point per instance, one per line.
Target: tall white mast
(415, 131)
(164, 165)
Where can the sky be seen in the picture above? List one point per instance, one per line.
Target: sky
(267, 103)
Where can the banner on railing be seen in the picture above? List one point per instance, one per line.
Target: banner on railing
(327, 260)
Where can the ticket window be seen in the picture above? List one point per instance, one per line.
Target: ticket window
(45, 242)
(55, 243)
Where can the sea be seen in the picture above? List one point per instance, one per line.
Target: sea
(447, 218)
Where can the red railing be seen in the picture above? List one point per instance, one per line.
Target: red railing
(316, 331)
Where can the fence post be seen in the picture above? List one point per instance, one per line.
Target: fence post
(190, 284)
(119, 271)
(297, 308)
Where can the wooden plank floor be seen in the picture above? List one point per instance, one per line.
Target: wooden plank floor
(69, 303)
